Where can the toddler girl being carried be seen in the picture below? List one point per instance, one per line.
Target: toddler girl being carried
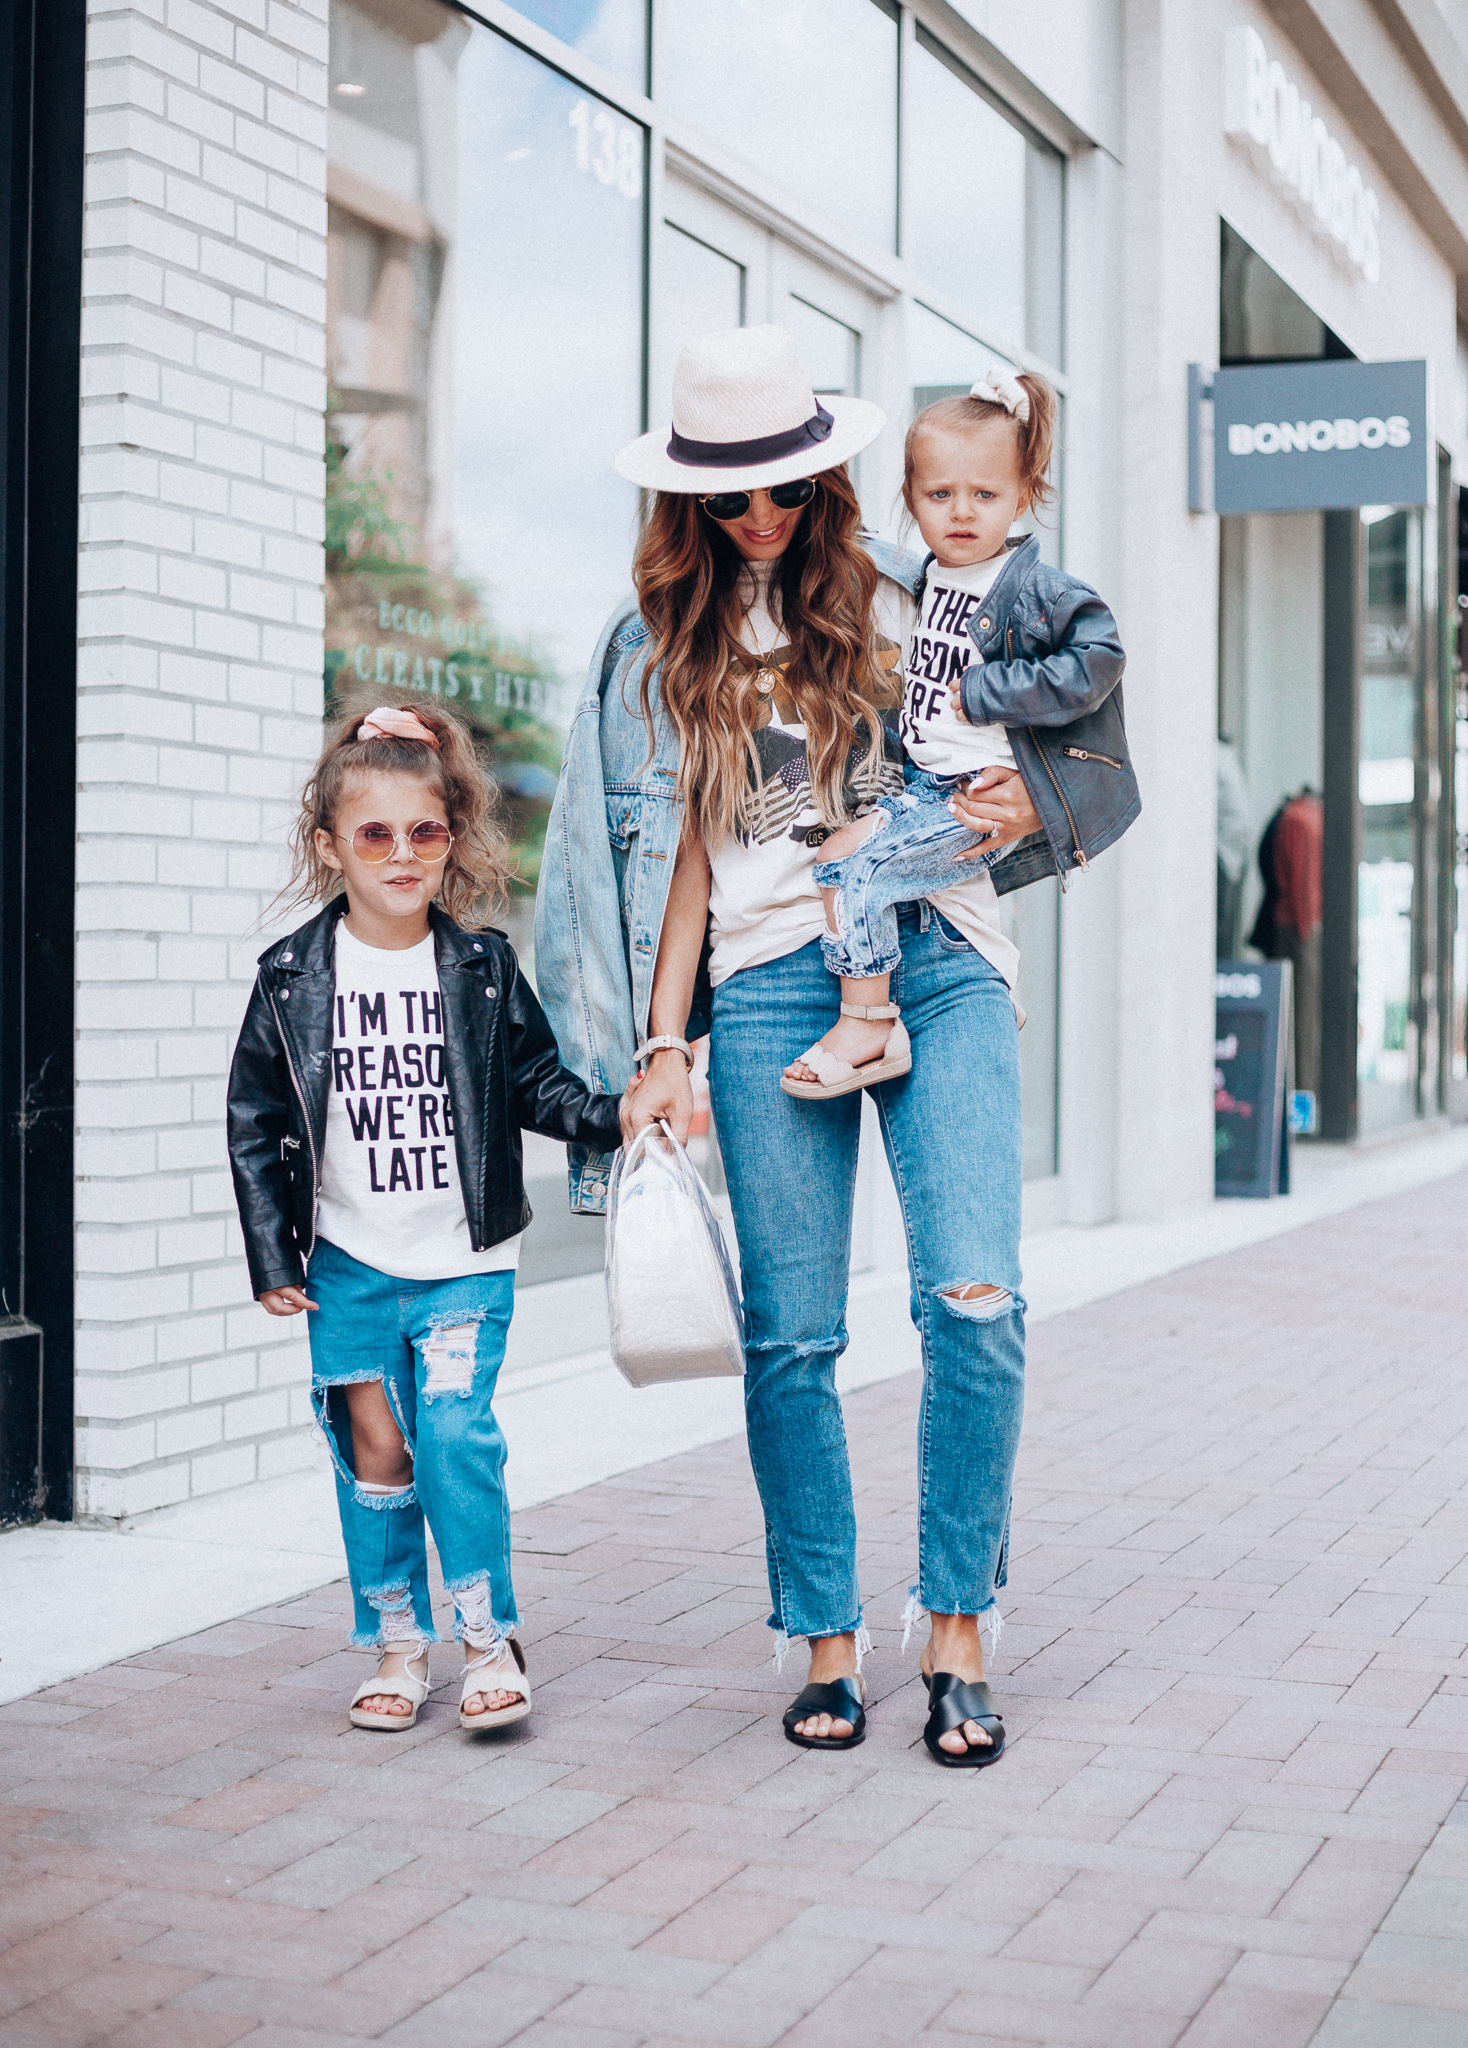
(972, 467)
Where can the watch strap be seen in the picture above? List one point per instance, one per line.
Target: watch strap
(667, 1041)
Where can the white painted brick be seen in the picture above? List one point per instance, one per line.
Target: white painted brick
(119, 374)
(212, 1193)
(192, 1337)
(115, 860)
(310, 608)
(125, 1109)
(117, 84)
(240, 365)
(108, 470)
(114, 1446)
(221, 633)
(214, 1470)
(198, 116)
(192, 582)
(229, 264)
(260, 144)
(192, 1052)
(134, 617)
(296, 116)
(264, 56)
(111, 178)
(257, 1413)
(286, 1454)
(202, 25)
(109, 667)
(303, 1411)
(190, 960)
(152, 1197)
(117, 568)
(116, 959)
(111, 1496)
(195, 300)
(221, 167)
(131, 1300)
(125, 1397)
(224, 1004)
(122, 520)
(116, 760)
(121, 1350)
(215, 1379)
(226, 1286)
(115, 1152)
(194, 487)
(194, 866)
(289, 1364)
(270, 328)
(132, 424)
(300, 294)
(191, 1429)
(191, 676)
(184, 1244)
(117, 1058)
(187, 1148)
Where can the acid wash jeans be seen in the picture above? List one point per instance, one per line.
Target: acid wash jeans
(913, 852)
(952, 1133)
(437, 1347)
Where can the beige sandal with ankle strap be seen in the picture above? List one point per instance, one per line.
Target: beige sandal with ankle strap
(839, 1077)
(403, 1687)
(498, 1670)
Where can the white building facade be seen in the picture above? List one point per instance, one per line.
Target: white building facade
(371, 292)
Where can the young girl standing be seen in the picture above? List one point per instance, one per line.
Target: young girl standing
(390, 1056)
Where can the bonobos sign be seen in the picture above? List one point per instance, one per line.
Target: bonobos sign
(1291, 437)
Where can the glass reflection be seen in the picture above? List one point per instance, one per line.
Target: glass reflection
(989, 242)
(612, 33)
(805, 89)
(1387, 1025)
(700, 290)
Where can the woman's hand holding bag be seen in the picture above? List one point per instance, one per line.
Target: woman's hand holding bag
(672, 1300)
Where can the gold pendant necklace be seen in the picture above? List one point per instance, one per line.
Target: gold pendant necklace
(766, 679)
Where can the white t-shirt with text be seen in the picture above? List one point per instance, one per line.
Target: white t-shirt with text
(390, 1190)
(938, 650)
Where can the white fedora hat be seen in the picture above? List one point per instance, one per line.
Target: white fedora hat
(745, 417)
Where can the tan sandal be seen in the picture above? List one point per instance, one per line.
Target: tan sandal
(402, 1687)
(839, 1077)
(499, 1670)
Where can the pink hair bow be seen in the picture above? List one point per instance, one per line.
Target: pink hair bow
(396, 722)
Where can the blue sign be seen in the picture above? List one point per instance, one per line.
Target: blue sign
(1251, 1059)
(1317, 437)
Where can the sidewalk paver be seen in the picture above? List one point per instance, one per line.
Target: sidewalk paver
(1232, 1814)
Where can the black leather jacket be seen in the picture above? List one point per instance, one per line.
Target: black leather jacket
(502, 1067)
(1049, 670)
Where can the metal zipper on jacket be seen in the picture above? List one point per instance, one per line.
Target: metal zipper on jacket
(1080, 854)
(1084, 754)
(305, 1119)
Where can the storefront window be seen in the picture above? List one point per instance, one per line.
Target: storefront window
(806, 90)
(612, 33)
(1391, 690)
(990, 244)
(484, 355)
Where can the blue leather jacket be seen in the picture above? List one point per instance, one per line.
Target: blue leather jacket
(1048, 669)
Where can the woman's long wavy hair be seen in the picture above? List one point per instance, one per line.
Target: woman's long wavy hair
(687, 572)
(479, 864)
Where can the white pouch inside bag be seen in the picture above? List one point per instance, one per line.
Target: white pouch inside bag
(671, 1294)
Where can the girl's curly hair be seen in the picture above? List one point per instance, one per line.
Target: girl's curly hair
(479, 864)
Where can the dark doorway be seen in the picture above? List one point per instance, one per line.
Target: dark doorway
(42, 79)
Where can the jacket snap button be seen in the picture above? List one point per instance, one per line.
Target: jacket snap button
(285, 995)
(985, 624)
(287, 957)
(477, 947)
(489, 992)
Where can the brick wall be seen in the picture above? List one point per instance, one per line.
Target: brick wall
(199, 682)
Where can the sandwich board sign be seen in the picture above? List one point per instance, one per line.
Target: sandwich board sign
(1254, 1032)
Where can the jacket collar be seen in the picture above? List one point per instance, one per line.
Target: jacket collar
(312, 949)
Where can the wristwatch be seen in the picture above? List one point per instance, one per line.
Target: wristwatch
(649, 1046)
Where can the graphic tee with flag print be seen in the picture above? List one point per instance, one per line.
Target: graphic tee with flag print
(390, 1191)
(763, 900)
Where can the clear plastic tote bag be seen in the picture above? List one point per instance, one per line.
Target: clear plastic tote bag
(671, 1294)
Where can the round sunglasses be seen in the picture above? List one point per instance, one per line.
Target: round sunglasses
(429, 840)
(734, 504)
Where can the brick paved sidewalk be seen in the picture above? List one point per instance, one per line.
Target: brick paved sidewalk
(1234, 1676)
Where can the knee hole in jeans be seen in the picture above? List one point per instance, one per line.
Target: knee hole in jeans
(448, 1358)
(976, 1301)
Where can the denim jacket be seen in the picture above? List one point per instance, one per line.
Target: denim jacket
(616, 823)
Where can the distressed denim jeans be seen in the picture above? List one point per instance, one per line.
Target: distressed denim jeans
(952, 1133)
(437, 1347)
(913, 852)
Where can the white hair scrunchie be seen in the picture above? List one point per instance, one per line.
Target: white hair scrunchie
(1001, 387)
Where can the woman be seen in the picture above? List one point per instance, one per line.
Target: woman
(735, 715)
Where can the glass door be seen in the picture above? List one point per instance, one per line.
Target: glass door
(1390, 881)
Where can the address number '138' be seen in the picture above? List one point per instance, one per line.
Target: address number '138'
(610, 149)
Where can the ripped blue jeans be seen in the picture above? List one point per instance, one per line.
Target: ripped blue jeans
(437, 1347)
(952, 1133)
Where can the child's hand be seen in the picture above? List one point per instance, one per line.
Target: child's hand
(285, 1301)
(955, 698)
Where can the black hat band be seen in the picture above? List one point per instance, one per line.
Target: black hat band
(768, 448)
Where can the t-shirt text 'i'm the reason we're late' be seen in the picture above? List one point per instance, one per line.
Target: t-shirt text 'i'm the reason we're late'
(390, 1191)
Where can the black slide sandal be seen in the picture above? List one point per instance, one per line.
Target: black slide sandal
(843, 1699)
(954, 1701)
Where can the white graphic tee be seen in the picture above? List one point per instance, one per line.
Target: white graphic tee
(390, 1191)
(939, 649)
